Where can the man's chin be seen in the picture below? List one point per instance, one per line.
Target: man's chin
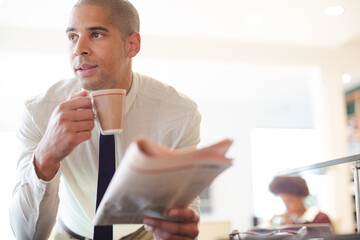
(89, 86)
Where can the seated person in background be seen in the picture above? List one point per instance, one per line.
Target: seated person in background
(292, 191)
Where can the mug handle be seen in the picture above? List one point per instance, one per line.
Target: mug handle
(97, 122)
(93, 105)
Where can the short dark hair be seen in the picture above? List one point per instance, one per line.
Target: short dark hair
(293, 185)
(122, 14)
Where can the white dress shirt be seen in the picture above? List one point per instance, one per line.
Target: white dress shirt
(152, 109)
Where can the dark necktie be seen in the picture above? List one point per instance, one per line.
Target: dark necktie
(106, 171)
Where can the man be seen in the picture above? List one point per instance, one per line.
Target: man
(59, 139)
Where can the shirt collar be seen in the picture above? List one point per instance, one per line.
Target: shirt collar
(309, 215)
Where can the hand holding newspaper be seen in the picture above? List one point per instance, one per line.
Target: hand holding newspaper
(151, 179)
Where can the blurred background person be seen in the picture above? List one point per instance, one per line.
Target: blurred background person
(293, 190)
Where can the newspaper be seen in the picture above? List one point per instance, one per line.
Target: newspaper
(151, 179)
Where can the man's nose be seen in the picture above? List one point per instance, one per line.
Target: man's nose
(82, 47)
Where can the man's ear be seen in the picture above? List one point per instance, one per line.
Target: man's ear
(133, 43)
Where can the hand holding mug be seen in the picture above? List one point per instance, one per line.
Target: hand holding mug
(70, 124)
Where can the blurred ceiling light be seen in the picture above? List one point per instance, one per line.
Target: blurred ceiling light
(346, 78)
(254, 19)
(335, 11)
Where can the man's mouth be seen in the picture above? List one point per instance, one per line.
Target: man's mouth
(86, 69)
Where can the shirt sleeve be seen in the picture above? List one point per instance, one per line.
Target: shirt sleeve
(191, 134)
(191, 139)
(34, 202)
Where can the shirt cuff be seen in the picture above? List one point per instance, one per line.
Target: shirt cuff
(40, 185)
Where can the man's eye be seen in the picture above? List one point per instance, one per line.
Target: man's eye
(97, 35)
(72, 37)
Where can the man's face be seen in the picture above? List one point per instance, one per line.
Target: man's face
(97, 52)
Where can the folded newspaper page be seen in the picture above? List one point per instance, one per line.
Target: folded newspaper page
(151, 179)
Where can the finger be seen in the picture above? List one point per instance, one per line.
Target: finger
(79, 94)
(76, 103)
(78, 115)
(83, 136)
(81, 115)
(73, 139)
(161, 235)
(186, 214)
(174, 228)
(82, 126)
